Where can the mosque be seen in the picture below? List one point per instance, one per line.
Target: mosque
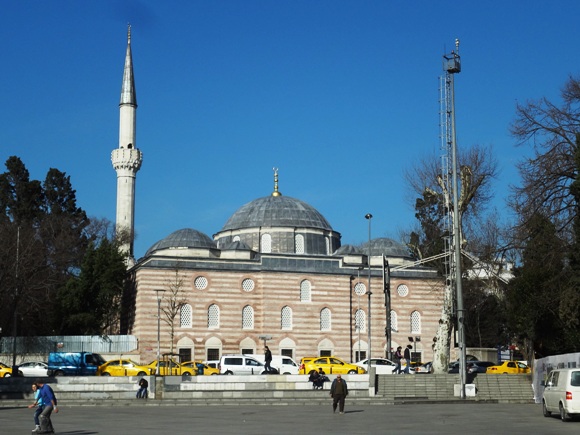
(275, 273)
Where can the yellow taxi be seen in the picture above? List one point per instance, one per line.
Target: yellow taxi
(195, 365)
(509, 367)
(5, 371)
(169, 367)
(330, 365)
(124, 367)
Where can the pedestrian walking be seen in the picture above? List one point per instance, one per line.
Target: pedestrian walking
(267, 359)
(407, 357)
(338, 392)
(38, 404)
(398, 356)
(49, 403)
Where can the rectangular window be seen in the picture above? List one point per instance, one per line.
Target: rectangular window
(416, 357)
(325, 353)
(213, 354)
(360, 356)
(287, 352)
(184, 355)
(247, 351)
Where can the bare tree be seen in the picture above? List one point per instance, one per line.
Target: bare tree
(550, 131)
(433, 203)
(174, 301)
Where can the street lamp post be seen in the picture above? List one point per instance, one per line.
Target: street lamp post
(159, 293)
(369, 217)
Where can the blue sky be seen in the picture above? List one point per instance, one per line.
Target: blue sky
(341, 96)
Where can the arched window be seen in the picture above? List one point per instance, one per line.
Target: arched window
(394, 321)
(415, 322)
(299, 244)
(248, 317)
(185, 316)
(325, 321)
(286, 318)
(305, 295)
(360, 321)
(213, 317)
(266, 243)
(236, 239)
(360, 289)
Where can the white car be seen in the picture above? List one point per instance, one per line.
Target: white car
(382, 366)
(240, 365)
(562, 393)
(33, 369)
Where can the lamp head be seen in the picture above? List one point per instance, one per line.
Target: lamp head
(368, 216)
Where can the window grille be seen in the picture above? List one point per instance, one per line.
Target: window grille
(305, 295)
(394, 321)
(360, 289)
(403, 290)
(248, 317)
(415, 322)
(200, 282)
(325, 324)
(185, 316)
(286, 321)
(360, 319)
(266, 243)
(248, 285)
(213, 317)
(299, 243)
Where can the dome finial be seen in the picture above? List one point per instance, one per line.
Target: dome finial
(275, 192)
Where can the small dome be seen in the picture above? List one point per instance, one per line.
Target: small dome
(184, 238)
(235, 246)
(387, 247)
(347, 250)
(276, 211)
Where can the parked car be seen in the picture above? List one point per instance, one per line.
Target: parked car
(382, 366)
(74, 363)
(509, 367)
(197, 365)
(426, 368)
(330, 365)
(6, 372)
(284, 364)
(562, 393)
(124, 367)
(212, 363)
(241, 365)
(481, 366)
(33, 369)
(169, 367)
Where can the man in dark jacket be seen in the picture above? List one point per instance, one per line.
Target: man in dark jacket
(267, 359)
(338, 392)
(407, 357)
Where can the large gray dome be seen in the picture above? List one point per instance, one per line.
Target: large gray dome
(387, 247)
(276, 211)
(184, 238)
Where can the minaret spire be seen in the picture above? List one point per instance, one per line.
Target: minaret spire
(127, 158)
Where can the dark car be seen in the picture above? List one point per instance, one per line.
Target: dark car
(481, 366)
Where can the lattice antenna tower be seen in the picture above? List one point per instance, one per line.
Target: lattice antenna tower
(451, 66)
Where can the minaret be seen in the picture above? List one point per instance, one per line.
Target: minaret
(127, 158)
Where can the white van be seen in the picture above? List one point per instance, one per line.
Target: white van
(240, 365)
(562, 393)
(284, 364)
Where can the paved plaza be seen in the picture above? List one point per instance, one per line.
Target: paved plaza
(445, 419)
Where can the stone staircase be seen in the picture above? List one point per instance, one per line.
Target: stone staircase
(266, 390)
(399, 389)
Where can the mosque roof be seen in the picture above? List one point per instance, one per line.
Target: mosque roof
(387, 247)
(184, 238)
(276, 211)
